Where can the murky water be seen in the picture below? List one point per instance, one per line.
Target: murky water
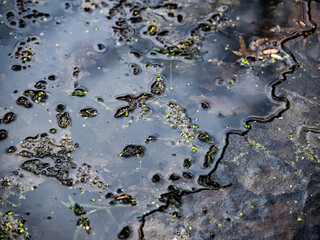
(124, 106)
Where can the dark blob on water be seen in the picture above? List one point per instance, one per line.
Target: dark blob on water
(151, 139)
(78, 210)
(3, 134)
(80, 92)
(208, 159)
(173, 196)
(40, 84)
(204, 137)
(26, 154)
(60, 108)
(58, 160)
(52, 77)
(100, 99)
(24, 53)
(11, 149)
(14, 21)
(132, 151)
(133, 103)
(84, 223)
(135, 69)
(123, 112)
(34, 166)
(9, 117)
(125, 233)
(52, 130)
(187, 163)
(99, 47)
(125, 199)
(158, 86)
(187, 175)
(205, 105)
(156, 178)
(174, 177)
(23, 101)
(16, 68)
(88, 112)
(64, 120)
(76, 72)
(24, 15)
(36, 96)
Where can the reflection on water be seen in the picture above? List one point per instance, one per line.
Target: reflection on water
(116, 109)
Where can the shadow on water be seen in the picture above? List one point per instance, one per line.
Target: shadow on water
(113, 110)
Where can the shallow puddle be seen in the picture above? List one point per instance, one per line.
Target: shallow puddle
(112, 110)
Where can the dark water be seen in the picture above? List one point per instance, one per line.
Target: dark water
(125, 106)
